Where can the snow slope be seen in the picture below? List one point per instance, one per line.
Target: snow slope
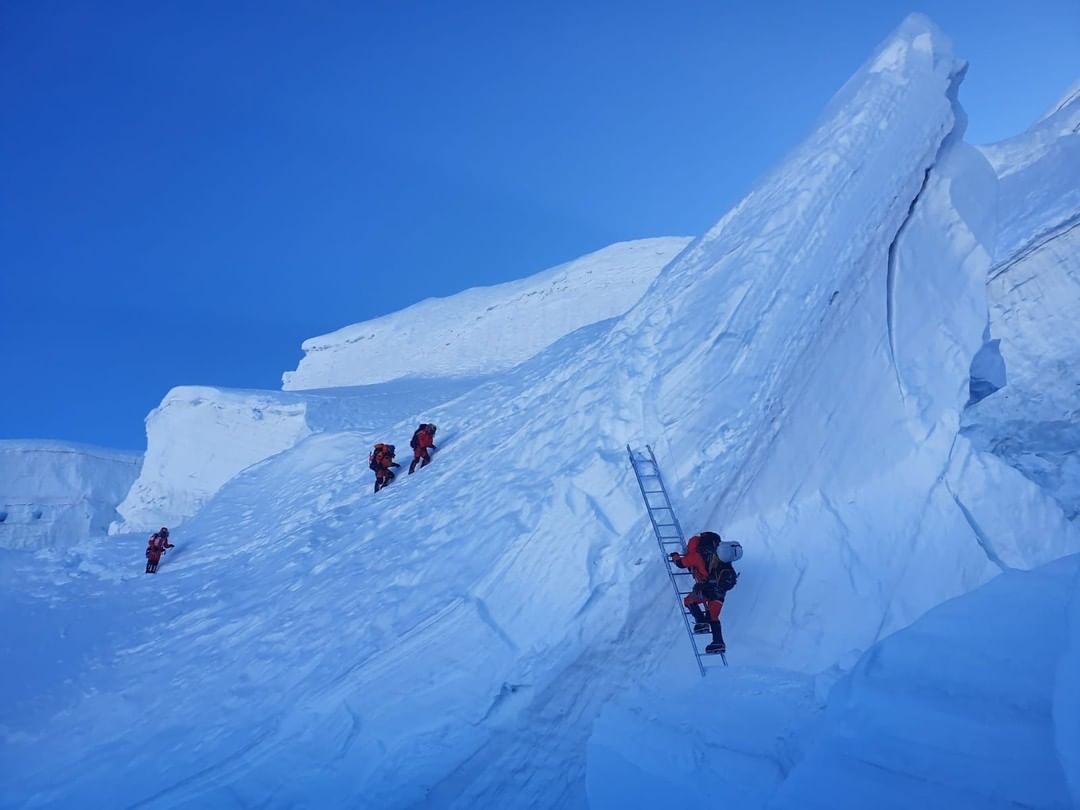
(451, 641)
(1066, 706)
(57, 493)
(726, 742)
(200, 437)
(486, 329)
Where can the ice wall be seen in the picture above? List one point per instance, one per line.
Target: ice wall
(485, 329)
(1034, 294)
(196, 440)
(810, 400)
(56, 494)
(956, 711)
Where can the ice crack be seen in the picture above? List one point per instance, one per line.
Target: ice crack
(890, 278)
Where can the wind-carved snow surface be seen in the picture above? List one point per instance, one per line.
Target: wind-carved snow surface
(452, 640)
(57, 493)
(486, 329)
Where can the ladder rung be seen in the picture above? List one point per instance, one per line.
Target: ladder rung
(666, 525)
(669, 541)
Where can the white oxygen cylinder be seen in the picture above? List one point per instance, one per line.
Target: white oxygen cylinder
(729, 552)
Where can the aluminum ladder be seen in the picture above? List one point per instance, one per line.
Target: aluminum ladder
(669, 537)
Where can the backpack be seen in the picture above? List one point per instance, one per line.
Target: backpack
(725, 578)
(718, 556)
(375, 457)
(707, 544)
(413, 441)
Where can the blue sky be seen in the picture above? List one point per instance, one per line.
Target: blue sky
(191, 189)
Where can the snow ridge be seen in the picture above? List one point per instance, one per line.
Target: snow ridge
(486, 329)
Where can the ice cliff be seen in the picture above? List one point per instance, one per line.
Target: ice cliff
(1033, 350)
(57, 493)
(200, 437)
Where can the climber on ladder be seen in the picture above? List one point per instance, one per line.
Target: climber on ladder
(705, 558)
(709, 559)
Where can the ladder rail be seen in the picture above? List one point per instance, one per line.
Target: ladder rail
(662, 539)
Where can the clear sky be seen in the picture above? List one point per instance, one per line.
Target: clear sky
(190, 189)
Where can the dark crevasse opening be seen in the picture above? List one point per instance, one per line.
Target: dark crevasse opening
(987, 370)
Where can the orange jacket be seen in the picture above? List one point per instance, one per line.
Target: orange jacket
(692, 560)
(156, 546)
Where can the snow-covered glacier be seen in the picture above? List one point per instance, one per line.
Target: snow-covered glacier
(498, 630)
(59, 493)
